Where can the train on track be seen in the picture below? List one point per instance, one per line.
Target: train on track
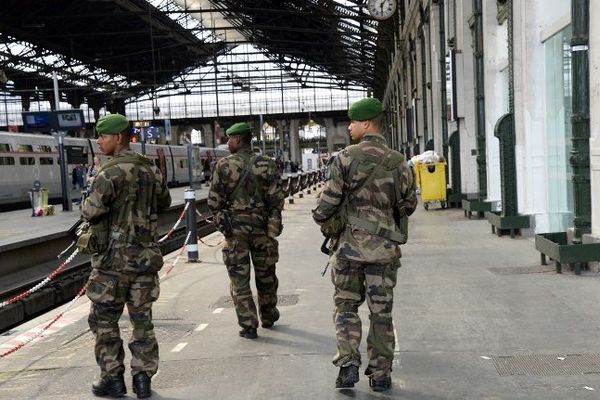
(27, 158)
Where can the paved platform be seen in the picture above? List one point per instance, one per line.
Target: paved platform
(18, 226)
(476, 317)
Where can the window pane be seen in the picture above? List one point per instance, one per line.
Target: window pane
(7, 161)
(27, 160)
(558, 129)
(46, 161)
(5, 147)
(45, 148)
(23, 148)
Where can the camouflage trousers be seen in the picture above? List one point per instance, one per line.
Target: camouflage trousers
(109, 292)
(355, 281)
(264, 253)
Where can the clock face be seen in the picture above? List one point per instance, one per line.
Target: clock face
(381, 9)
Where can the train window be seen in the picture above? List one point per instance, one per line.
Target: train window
(7, 161)
(157, 162)
(25, 148)
(46, 161)
(183, 163)
(5, 147)
(43, 148)
(27, 160)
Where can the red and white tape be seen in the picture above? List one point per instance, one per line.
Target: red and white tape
(174, 228)
(43, 283)
(187, 239)
(45, 328)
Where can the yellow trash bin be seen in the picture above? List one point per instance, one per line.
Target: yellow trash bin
(432, 178)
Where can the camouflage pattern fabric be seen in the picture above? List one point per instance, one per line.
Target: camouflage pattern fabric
(364, 265)
(129, 195)
(264, 253)
(255, 215)
(257, 207)
(353, 282)
(109, 292)
(137, 251)
(374, 202)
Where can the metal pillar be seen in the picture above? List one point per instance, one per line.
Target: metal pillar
(424, 89)
(444, 109)
(192, 246)
(480, 99)
(64, 182)
(190, 158)
(143, 139)
(454, 144)
(580, 119)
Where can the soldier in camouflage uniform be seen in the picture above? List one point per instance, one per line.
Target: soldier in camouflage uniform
(246, 199)
(372, 190)
(124, 199)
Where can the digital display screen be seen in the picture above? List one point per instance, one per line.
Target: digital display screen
(69, 119)
(46, 121)
(37, 121)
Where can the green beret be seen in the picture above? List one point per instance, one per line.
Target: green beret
(365, 109)
(238, 129)
(111, 124)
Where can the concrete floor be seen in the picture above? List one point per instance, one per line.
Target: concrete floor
(466, 300)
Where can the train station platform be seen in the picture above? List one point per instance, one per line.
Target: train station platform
(476, 317)
(19, 226)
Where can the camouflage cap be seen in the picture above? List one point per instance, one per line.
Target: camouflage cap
(111, 124)
(365, 109)
(238, 129)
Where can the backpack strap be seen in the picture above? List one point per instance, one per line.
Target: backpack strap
(242, 181)
(128, 201)
(371, 226)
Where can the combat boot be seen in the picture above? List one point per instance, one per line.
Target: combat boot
(347, 377)
(380, 385)
(271, 322)
(249, 333)
(113, 386)
(141, 385)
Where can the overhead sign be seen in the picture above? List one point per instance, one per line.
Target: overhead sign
(46, 121)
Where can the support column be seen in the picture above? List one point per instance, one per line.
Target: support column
(594, 55)
(207, 135)
(479, 205)
(295, 154)
(580, 119)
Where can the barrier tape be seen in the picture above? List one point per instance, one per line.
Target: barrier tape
(174, 228)
(43, 283)
(47, 326)
(62, 266)
(79, 294)
(187, 239)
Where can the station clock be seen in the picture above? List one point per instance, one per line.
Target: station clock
(381, 9)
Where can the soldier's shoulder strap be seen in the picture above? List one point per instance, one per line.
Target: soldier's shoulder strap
(247, 172)
(131, 159)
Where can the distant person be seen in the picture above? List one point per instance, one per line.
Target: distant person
(246, 199)
(363, 209)
(94, 167)
(89, 177)
(74, 177)
(206, 170)
(80, 176)
(125, 198)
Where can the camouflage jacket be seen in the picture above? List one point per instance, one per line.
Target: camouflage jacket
(256, 209)
(374, 202)
(132, 235)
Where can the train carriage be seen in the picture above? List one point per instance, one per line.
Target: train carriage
(26, 158)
